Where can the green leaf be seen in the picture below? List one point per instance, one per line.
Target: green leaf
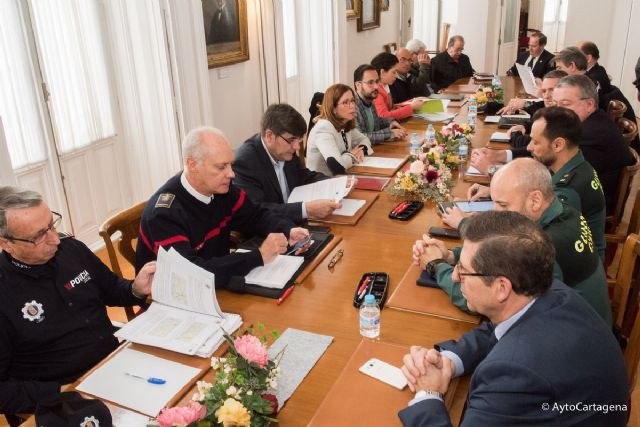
(275, 334)
(261, 327)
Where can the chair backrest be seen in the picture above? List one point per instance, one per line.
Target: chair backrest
(628, 128)
(616, 109)
(127, 222)
(624, 278)
(624, 189)
(444, 38)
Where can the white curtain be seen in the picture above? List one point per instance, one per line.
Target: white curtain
(425, 23)
(144, 87)
(19, 106)
(74, 62)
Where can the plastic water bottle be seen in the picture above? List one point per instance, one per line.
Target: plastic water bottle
(430, 136)
(414, 144)
(496, 82)
(463, 149)
(370, 318)
(473, 112)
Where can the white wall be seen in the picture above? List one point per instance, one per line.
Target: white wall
(235, 91)
(363, 46)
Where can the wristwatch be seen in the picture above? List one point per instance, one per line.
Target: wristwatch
(421, 394)
(433, 264)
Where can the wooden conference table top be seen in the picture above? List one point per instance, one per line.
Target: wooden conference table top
(322, 303)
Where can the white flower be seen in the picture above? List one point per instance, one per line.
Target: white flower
(416, 167)
(249, 392)
(273, 384)
(231, 391)
(227, 369)
(215, 362)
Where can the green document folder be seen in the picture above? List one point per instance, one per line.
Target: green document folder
(432, 106)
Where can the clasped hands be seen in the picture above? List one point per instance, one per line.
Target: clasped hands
(427, 369)
(428, 249)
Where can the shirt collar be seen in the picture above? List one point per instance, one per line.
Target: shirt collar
(554, 210)
(573, 162)
(274, 162)
(201, 197)
(504, 326)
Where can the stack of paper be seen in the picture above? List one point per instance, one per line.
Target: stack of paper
(500, 137)
(123, 380)
(382, 162)
(435, 117)
(185, 315)
(434, 106)
(277, 273)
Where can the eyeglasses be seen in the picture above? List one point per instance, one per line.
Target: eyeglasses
(42, 234)
(348, 103)
(462, 273)
(292, 140)
(370, 82)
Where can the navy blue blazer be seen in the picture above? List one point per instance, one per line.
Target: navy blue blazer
(542, 66)
(559, 352)
(256, 176)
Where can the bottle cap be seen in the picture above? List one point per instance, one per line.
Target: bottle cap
(369, 299)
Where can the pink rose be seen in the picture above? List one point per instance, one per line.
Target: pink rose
(416, 167)
(181, 416)
(252, 349)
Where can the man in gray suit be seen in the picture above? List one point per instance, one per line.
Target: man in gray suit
(544, 358)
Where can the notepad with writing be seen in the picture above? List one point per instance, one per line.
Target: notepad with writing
(275, 274)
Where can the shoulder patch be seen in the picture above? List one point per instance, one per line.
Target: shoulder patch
(165, 200)
(566, 179)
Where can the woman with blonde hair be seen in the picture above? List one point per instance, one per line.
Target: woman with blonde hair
(335, 143)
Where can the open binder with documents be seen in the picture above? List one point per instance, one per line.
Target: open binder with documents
(185, 316)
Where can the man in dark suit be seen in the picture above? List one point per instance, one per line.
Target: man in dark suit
(595, 71)
(267, 167)
(536, 57)
(450, 65)
(544, 357)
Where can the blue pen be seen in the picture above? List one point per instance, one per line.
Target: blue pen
(151, 380)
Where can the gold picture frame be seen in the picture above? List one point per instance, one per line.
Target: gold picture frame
(369, 16)
(225, 30)
(353, 9)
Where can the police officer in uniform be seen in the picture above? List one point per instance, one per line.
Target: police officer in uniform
(195, 211)
(524, 186)
(555, 135)
(53, 321)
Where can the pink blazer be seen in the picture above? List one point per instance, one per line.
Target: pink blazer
(384, 106)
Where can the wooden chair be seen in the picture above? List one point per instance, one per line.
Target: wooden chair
(127, 223)
(621, 287)
(617, 240)
(444, 39)
(623, 190)
(616, 109)
(628, 128)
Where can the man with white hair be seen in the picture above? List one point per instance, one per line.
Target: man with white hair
(195, 211)
(524, 186)
(414, 72)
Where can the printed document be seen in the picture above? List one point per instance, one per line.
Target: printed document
(185, 315)
(123, 380)
(382, 162)
(349, 207)
(528, 81)
(334, 189)
(277, 273)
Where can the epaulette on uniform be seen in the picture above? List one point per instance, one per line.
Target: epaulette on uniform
(165, 200)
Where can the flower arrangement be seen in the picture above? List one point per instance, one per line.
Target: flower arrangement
(449, 139)
(241, 395)
(427, 177)
(489, 94)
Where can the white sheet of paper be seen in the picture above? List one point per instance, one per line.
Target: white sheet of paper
(180, 283)
(275, 274)
(473, 171)
(500, 137)
(528, 81)
(492, 119)
(382, 162)
(436, 117)
(334, 189)
(349, 207)
(110, 381)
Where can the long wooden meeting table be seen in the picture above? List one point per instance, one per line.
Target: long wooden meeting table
(323, 302)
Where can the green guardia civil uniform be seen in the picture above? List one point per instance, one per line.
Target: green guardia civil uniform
(577, 262)
(577, 185)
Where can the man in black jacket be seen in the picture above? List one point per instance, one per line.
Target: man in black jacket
(536, 57)
(450, 65)
(595, 71)
(53, 321)
(268, 168)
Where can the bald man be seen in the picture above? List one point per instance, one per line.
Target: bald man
(195, 211)
(524, 186)
(414, 75)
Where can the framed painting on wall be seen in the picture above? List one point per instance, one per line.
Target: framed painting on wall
(225, 29)
(369, 15)
(353, 8)
(384, 5)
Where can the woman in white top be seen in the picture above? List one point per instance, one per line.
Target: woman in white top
(335, 143)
